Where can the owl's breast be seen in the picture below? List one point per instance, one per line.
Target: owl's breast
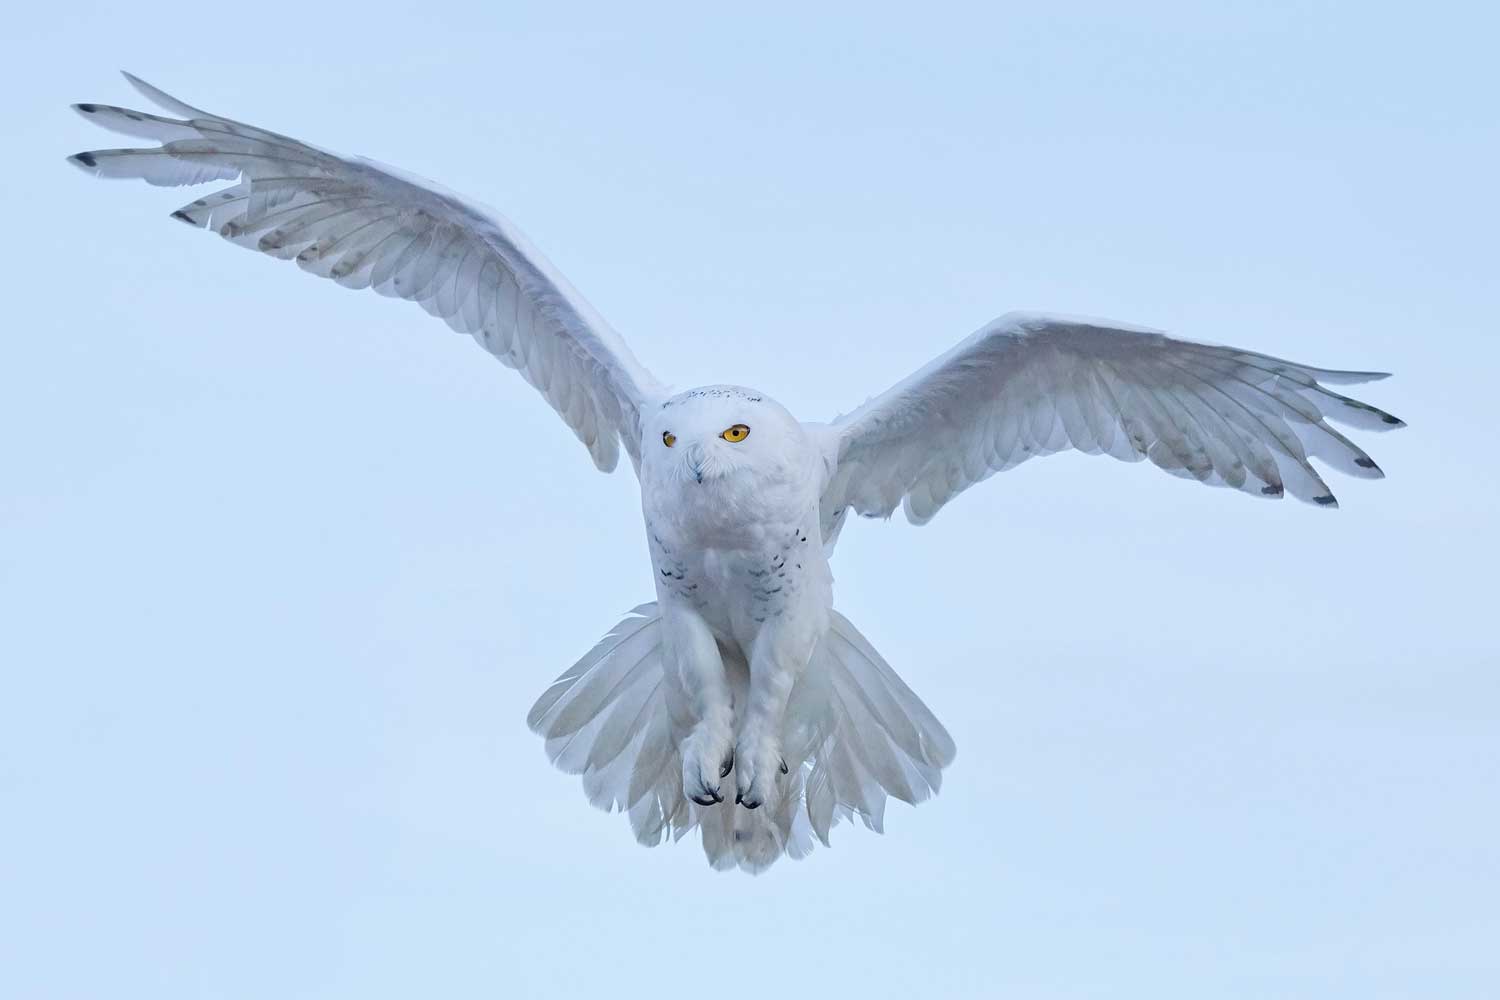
(740, 557)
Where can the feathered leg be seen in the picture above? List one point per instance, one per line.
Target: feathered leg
(707, 753)
(778, 655)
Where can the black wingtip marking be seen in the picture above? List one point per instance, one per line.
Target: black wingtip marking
(1326, 500)
(87, 159)
(87, 109)
(182, 216)
(1396, 421)
(1365, 463)
(1274, 490)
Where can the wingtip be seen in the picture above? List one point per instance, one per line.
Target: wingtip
(84, 161)
(141, 86)
(161, 98)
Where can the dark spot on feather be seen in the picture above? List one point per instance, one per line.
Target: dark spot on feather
(720, 392)
(1365, 463)
(1390, 419)
(87, 159)
(1274, 490)
(1325, 500)
(87, 109)
(184, 217)
(133, 116)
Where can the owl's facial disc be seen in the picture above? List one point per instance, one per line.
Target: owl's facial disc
(707, 434)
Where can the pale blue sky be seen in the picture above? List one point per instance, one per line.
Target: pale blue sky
(275, 604)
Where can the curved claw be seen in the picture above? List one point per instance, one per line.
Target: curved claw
(728, 764)
(712, 799)
(739, 800)
(783, 767)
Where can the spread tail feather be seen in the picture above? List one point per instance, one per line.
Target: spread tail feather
(855, 735)
(875, 738)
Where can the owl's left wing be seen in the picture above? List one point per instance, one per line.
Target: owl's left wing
(367, 225)
(1032, 384)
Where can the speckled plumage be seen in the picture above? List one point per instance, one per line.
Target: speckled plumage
(741, 675)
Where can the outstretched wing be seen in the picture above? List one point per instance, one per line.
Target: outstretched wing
(366, 225)
(1031, 384)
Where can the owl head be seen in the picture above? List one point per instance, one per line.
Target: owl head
(714, 432)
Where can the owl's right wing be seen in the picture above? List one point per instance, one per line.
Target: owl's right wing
(366, 225)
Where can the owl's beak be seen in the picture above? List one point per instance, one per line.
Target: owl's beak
(695, 456)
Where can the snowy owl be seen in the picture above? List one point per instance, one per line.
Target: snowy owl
(739, 702)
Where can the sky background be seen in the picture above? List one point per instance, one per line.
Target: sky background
(282, 567)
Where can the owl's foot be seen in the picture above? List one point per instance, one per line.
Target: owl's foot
(707, 757)
(758, 765)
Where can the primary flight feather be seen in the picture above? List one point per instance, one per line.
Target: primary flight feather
(741, 676)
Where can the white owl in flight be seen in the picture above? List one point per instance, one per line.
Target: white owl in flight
(740, 702)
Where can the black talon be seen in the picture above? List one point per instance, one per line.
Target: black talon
(728, 764)
(783, 766)
(703, 801)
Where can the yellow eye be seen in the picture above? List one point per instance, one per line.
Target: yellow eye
(736, 434)
(668, 438)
